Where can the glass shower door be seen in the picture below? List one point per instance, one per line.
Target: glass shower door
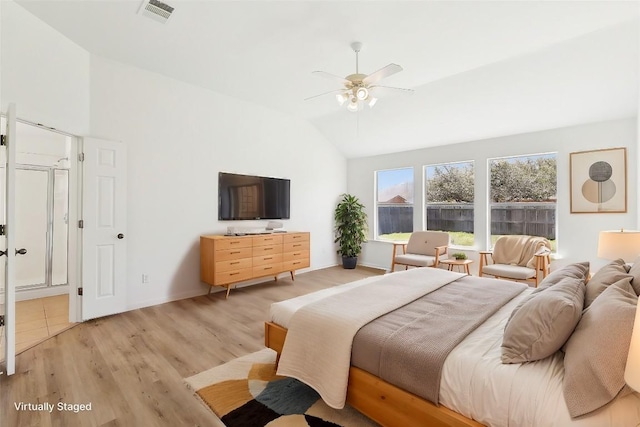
(32, 186)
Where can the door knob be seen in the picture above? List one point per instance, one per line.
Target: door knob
(120, 236)
(22, 251)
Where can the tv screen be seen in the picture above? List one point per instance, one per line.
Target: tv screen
(252, 197)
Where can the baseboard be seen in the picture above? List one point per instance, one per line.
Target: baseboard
(50, 291)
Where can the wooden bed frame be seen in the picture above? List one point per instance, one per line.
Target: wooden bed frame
(384, 403)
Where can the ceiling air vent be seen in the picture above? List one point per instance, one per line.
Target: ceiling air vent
(156, 10)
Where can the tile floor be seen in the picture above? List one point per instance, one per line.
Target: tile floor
(39, 319)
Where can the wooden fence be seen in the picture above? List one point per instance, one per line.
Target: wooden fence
(531, 218)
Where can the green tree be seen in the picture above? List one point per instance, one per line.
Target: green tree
(451, 183)
(523, 180)
(512, 180)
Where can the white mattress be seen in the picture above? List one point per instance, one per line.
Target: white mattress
(476, 384)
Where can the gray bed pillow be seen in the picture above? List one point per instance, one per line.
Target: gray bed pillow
(543, 324)
(578, 270)
(635, 272)
(596, 354)
(606, 276)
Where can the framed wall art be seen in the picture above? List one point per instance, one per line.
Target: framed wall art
(599, 181)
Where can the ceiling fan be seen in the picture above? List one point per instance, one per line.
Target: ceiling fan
(358, 88)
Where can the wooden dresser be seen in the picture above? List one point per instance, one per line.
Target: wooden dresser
(227, 260)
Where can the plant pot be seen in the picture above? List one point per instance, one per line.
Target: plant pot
(349, 262)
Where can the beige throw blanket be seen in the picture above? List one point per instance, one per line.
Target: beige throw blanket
(317, 350)
(519, 250)
(408, 346)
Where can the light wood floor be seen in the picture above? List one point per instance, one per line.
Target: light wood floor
(39, 319)
(131, 366)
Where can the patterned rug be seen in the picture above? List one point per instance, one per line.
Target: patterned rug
(246, 392)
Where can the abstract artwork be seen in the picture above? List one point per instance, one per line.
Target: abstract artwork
(599, 181)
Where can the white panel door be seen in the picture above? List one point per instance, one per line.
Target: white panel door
(104, 253)
(10, 249)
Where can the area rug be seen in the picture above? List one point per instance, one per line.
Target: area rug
(246, 392)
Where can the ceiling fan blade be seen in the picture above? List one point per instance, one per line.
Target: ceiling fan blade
(325, 93)
(381, 74)
(393, 88)
(332, 77)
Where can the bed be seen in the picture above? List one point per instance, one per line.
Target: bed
(475, 388)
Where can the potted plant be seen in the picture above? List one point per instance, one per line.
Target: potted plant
(459, 256)
(351, 229)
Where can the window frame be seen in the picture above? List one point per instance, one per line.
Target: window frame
(376, 235)
(425, 203)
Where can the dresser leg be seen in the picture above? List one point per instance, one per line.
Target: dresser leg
(228, 289)
(293, 276)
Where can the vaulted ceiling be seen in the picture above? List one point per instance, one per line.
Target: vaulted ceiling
(479, 69)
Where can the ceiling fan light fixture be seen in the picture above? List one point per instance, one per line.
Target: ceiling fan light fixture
(353, 105)
(341, 98)
(372, 102)
(362, 93)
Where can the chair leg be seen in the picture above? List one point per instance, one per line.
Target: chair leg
(393, 257)
(483, 261)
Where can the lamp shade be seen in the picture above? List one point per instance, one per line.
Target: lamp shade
(616, 244)
(632, 371)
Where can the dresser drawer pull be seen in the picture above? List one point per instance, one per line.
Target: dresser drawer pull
(270, 238)
(268, 268)
(233, 243)
(268, 249)
(296, 253)
(297, 262)
(267, 257)
(295, 246)
(233, 274)
(234, 252)
(235, 262)
(296, 237)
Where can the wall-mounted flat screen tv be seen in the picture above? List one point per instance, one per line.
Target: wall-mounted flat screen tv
(252, 197)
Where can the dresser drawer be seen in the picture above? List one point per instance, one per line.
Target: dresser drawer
(267, 270)
(295, 255)
(267, 259)
(232, 276)
(227, 254)
(295, 246)
(266, 250)
(269, 239)
(295, 264)
(233, 264)
(232, 243)
(296, 237)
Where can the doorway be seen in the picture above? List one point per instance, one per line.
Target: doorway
(43, 185)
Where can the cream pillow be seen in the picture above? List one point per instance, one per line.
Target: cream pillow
(578, 270)
(542, 325)
(596, 353)
(607, 275)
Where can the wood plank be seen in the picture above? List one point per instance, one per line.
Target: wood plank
(132, 366)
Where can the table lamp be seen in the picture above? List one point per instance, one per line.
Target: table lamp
(614, 244)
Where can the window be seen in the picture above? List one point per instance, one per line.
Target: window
(523, 195)
(449, 200)
(394, 204)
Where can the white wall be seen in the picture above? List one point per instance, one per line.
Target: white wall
(178, 138)
(44, 73)
(577, 233)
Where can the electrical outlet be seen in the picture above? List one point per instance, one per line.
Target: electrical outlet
(145, 278)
